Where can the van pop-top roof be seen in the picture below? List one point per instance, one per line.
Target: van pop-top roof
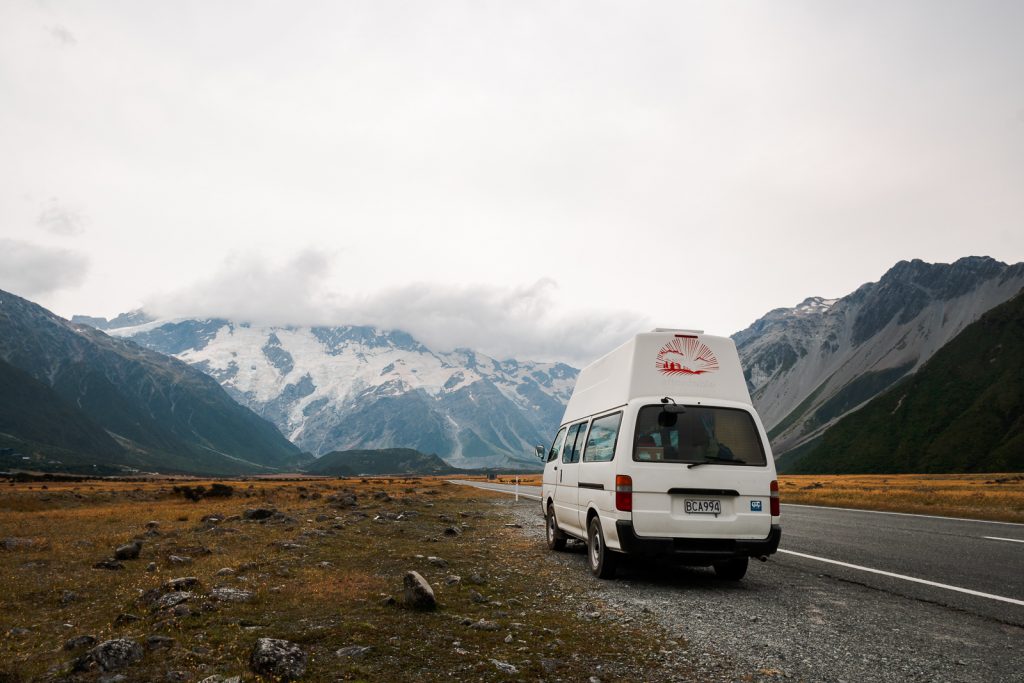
(684, 364)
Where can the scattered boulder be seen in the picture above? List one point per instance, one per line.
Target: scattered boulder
(151, 567)
(453, 531)
(225, 571)
(231, 595)
(259, 513)
(115, 654)
(343, 500)
(279, 659)
(129, 551)
(418, 593)
(157, 642)
(452, 580)
(68, 597)
(484, 625)
(477, 597)
(353, 651)
(220, 491)
(221, 679)
(477, 579)
(437, 562)
(110, 564)
(79, 642)
(179, 559)
(125, 618)
(504, 667)
(172, 600)
(183, 583)
(382, 496)
(152, 524)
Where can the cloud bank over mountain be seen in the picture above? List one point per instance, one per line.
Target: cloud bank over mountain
(31, 269)
(521, 321)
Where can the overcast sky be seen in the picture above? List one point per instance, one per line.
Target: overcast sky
(538, 179)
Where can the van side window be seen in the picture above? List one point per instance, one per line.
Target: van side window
(556, 445)
(574, 443)
(604, 432)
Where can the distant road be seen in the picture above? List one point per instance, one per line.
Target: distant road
(968, 565)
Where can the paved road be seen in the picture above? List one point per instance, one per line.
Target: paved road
(887, 596)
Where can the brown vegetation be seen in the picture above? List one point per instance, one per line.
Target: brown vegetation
(997, 497)
(323, 573)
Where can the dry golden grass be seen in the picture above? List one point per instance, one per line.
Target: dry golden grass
(997, 497)
(326, 592)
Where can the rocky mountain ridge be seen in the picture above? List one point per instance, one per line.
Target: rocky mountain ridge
(809, 365)
(348, 387)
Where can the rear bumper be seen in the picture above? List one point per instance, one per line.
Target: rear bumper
(696, 550)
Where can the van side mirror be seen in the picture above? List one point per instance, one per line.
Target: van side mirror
(540, 452)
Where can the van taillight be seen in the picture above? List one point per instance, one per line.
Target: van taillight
(774, 488)
(623, 493)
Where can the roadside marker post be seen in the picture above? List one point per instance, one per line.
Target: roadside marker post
(517, 489)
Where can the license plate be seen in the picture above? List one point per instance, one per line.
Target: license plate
(703, 507)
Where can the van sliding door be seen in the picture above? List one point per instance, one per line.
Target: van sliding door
(567, 481)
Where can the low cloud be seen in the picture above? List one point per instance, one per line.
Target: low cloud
(31, 270)
(249, 289)
(62, 35)
(520, 322)
(61, 220)
(524, 322)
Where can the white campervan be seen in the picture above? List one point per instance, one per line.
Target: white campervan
(661, 452)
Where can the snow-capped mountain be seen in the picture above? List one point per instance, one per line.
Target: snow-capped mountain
(809, 365)
(340, 388)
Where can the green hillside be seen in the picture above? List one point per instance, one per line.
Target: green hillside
(963, 411)
(384, 461)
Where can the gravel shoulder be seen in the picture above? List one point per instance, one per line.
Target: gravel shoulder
(790, 619)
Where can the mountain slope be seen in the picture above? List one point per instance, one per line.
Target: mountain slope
(810, 365)
(351, 387)
(962, 412)
(164, 414)
(34, 419)
(386, 461)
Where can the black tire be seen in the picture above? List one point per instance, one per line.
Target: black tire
(602, 560)
(556, 539)
(733, 570)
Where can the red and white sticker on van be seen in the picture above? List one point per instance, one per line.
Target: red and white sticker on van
(686, 356)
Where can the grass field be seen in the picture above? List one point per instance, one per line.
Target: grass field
(322, 574)
(997, 497)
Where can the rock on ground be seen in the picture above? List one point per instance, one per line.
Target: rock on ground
(280, 659)
(129, 551)
(112, 655)
(418, 593)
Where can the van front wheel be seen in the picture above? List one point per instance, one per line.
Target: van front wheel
(602, 560)
(732, 570)
(556, 539)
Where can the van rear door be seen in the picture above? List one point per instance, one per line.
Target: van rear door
(700, 472)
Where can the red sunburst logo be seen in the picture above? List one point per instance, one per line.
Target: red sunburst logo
(686, 356)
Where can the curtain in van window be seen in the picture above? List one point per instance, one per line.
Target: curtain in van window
(603, 433)
(556, 445)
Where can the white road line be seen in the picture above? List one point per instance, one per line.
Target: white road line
(485, 487)
(1011, 540)
(913, 579)
(904, 514)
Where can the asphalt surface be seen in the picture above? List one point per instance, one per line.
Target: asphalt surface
(923, 598)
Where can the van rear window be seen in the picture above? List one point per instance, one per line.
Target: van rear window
(701, 434)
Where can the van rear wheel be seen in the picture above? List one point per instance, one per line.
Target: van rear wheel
(732, 570)
(602, 560)
(556, 539)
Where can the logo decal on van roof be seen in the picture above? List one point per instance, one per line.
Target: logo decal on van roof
(686, 356)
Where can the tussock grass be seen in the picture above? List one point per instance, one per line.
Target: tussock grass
(998, 497)
(327, 590)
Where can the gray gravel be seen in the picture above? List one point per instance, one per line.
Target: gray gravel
(790, 619)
